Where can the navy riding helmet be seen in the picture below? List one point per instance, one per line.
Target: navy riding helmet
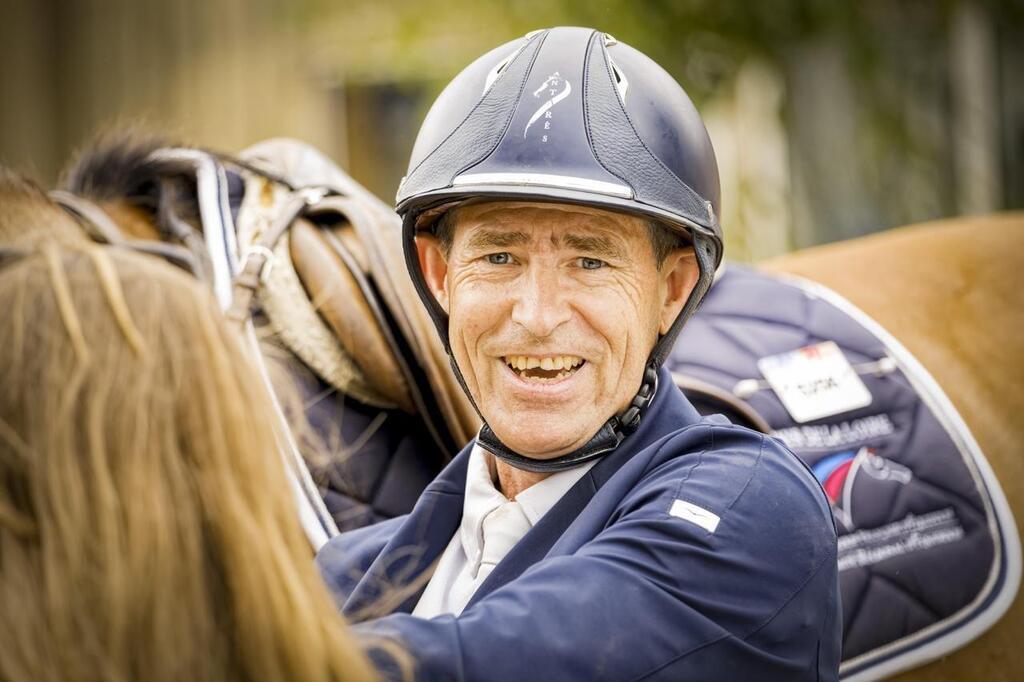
(567, 115)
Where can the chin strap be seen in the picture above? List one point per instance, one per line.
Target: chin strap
(604, 441)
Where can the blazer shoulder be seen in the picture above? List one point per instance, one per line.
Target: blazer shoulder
(731, 458)
(730, 520)
(743, 483)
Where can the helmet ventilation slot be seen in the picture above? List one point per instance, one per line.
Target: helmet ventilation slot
(499, 69)
(621, 83)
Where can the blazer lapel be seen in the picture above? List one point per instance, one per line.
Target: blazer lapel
(395, 580)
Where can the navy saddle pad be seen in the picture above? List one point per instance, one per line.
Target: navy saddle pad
(929, 556)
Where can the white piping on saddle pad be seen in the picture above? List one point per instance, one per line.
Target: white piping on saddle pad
(316, 520)
(215, 213)
(1000, 517)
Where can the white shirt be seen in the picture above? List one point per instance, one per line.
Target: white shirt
(491, 526)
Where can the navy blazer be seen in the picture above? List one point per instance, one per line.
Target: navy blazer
(613, 583)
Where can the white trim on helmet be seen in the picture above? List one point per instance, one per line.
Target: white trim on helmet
(545, 180)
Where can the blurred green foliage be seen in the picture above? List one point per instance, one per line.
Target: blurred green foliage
(702, 42)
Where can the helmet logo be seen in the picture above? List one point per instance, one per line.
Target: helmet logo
(551, 86)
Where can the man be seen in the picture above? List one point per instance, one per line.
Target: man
(560, 226)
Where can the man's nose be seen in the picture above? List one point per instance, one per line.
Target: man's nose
(541, 303)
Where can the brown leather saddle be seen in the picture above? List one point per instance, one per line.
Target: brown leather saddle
(346, 252)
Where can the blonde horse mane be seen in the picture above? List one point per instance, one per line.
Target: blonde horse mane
(146, 529)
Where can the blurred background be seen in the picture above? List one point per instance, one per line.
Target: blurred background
(830, 119)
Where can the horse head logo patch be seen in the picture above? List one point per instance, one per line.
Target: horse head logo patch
(837, 474)
(551, 87)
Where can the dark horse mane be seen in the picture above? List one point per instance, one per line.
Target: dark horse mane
(116, 165)
(119, 166)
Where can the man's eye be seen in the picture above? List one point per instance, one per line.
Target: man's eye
(502, 258)
(591, 263)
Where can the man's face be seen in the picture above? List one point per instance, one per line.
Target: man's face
(553, 310)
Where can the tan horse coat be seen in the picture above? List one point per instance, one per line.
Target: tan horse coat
(953, 293)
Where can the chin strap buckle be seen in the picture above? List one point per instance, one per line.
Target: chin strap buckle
(629, 420)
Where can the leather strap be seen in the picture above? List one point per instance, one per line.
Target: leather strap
(261, 255)
(98, 225)
(101, 228)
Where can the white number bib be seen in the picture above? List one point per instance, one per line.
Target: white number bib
(815, 381)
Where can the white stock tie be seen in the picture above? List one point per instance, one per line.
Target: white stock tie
(501, 529)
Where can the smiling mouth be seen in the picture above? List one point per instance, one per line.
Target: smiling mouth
(541, 370)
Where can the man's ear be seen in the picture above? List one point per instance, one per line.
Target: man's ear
(434, 267)
(679, 274)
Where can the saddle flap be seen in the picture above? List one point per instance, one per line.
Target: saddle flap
(336, 294)
(379, 234)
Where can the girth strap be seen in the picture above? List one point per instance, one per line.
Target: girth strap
(259, 258)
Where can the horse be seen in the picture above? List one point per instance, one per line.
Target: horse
(947, 291)
(950, 291)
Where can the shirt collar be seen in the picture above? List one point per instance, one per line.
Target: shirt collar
(540, 497)
(483, 496)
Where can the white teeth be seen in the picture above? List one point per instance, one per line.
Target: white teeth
(559, 362)
(547, 364)
(531, 363)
